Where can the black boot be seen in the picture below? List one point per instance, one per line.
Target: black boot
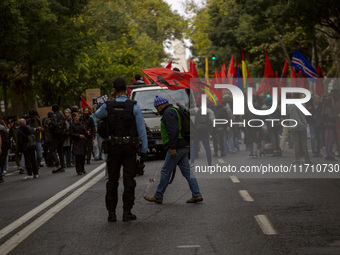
(127, 216)
(112, 217)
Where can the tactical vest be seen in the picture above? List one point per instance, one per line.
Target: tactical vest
(122, 122)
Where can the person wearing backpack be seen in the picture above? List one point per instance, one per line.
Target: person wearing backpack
(177, 150)
(27, 145)
(58, 132)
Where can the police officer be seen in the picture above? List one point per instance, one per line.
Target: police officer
(126, 130)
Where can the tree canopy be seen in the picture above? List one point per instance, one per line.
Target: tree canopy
(51, 51)
(225, 27)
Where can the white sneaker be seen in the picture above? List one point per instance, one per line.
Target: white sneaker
(4, 172)
(36, 176)
(28, 177)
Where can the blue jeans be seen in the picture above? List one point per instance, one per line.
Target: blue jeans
(169, 165)
(22, 162)
(206, 144)
(68, 154)
(38, 153)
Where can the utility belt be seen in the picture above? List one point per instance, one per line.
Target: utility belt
(113, 142)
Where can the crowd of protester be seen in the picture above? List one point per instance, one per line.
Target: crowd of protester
(322, 126)
(68, 138)
(61, 140)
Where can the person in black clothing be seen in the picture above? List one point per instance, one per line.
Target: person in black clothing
(139, 80)
(90, 128)
(47, 137)
(78, 138)
(3, 148)
(67, 140)
(27, 149)
(58, 130)
(34, 122)
(126, 130)
(219, 131)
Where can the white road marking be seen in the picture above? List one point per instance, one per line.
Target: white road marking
(234, 179)
(220, 161)
(245, 195)
(6, 230)
(9, 174)
(14, 241)
(265, 225)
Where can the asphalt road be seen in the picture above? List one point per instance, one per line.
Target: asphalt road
(65, 213)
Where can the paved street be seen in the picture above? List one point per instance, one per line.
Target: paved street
(65, 214)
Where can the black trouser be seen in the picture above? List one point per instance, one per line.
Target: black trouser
(274, 134)
(30, 161)
(218, 141)
(121, 155)
(89, 146)
(57, 147)
(80, 163)
(46, 153)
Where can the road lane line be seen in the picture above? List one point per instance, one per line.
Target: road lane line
(245, 195)
(6, 230)
(14, 241)
(234, 179)
(265, 225)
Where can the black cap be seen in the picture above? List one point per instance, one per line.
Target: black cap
(119, 84)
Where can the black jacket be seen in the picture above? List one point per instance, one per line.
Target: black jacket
(79, 144)
(170, 120)
(89, 126)
(23, 137)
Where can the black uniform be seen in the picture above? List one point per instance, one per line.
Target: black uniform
(122, 152)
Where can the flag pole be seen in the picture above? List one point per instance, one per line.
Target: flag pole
(169, 95)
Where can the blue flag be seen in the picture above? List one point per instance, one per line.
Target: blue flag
(239, 80)
(301, 63)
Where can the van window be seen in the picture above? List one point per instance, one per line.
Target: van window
(146, 98)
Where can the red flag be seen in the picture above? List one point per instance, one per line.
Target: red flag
(283, 80)
(83, 103)
(133, 80)
(176, 80)
(293, 78)
(146, 80)
(217, 80)
(268, 70)
(216, 75)
(302, 78)
(268, 81)
(319, 89)
(169, 65)
(223, 71)
(193, 69)
(231, 71)
(165, 77)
